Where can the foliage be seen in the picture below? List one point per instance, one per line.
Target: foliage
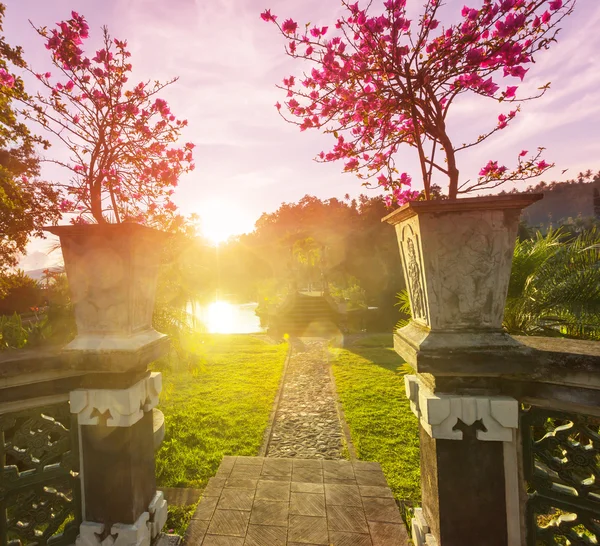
(19, 293)
(370, 385)
(356, 245)
(217, 402)
(121, 139)
(13, 333)
(179, 518)
(383, 80)
(555, 286)
(349, 292)
(403, 304)
(26, 203)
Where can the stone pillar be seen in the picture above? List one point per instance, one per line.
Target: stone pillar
(120, 504)
(467, 481)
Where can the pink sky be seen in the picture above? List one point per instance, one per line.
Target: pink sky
(248, 160)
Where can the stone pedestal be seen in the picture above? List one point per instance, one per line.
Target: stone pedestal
(120, 504)
(467, 485)
(112, 271)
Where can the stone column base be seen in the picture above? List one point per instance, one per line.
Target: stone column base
(420, 530)
(141, 533)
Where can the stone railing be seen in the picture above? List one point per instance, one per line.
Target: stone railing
(77, 442)
(510, 442)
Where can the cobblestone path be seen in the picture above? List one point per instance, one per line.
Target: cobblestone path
(306, 423)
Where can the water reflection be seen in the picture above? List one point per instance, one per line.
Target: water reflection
(222, 317)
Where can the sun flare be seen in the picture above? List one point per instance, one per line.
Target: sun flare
(219, 317)
(220, 220)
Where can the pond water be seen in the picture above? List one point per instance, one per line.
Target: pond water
(223, 317)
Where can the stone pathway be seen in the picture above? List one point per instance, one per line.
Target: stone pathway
(256, 501)
(306, 423)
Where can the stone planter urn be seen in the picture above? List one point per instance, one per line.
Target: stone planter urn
(112, 271)
(456, 256)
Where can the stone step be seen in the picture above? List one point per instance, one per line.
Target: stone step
(262, 501)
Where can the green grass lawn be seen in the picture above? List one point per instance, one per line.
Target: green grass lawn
(216, 402)
(370, 382)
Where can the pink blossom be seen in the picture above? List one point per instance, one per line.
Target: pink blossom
(510, 91)
(266, 16)
(289, 26)
(351, 165)
(6, 79)
(278, 105)
(542, 165)
(523, 153)
(502, 123)
(555, 5)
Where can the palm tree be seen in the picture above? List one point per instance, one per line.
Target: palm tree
(555, 286)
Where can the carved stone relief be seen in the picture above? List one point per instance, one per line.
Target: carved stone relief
(116, 407)
(440, 414)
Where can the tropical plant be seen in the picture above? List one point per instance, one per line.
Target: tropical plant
(123, 162)
(555, 286)
(26, 203)
(379, 80)
(403, 304)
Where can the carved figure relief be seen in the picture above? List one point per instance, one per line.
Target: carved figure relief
(414, 273)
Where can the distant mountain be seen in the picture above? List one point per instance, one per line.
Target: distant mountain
(38, 274)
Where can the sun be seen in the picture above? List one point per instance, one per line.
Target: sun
(220, 220)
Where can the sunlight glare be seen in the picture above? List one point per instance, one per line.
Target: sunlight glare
(220, 221)
(219, 317)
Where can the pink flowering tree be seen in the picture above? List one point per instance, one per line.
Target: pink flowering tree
(124, 162)
(380, 80)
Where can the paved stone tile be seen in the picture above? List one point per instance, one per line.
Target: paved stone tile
(307, 475)
(273, 490)
(195, 532)
(206, 508)
(307, 463)
(263, 535)
(236, 499)
(214, 487)
(216, 540)
(181, 496)
(370, 477)
(338, 472)
(277, 477)
(277, 466)
(388, 534)
(239, 483)
(349, 539)
(307, 504)
(266, 512)
(385, 510)
(366, 465)
(224, 472)
(308, 530)
(338, 466)
(229, 522)
(246, 471)
(245, 460)
(346, 518)
(301, 487)
(376, 491)
(339, 494)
